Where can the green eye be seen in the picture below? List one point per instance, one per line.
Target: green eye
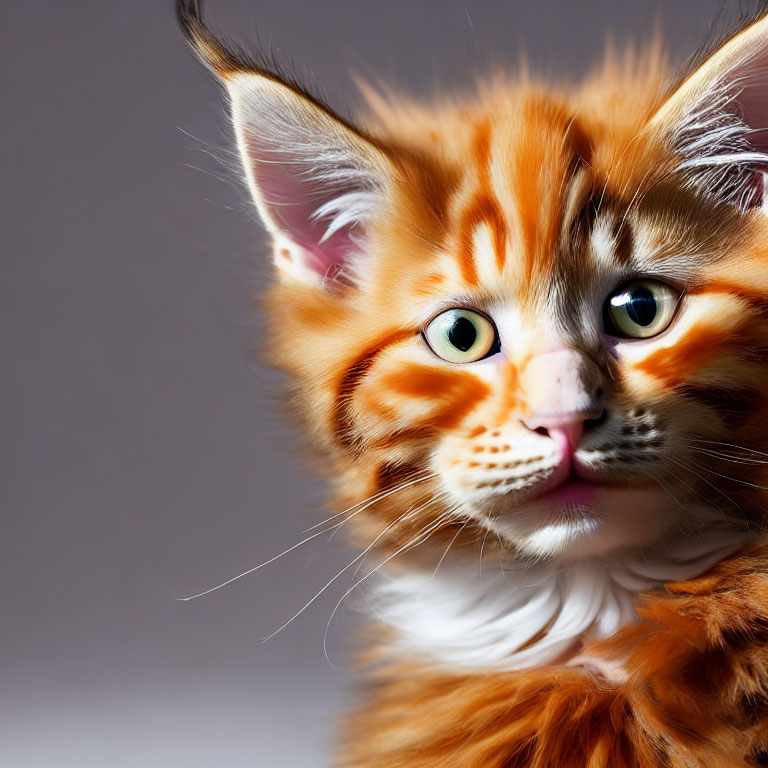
(640, 309)
(461, 336)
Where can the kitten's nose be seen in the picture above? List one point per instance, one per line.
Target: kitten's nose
(566, 431)
(563, 394)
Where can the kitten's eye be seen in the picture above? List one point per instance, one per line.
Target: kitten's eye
(640, 309)
(461, 336)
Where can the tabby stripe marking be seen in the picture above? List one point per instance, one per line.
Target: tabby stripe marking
(756, 299)
(351, 380)
(484, 208)
(456, 392)
(673, 365)
(733, 406)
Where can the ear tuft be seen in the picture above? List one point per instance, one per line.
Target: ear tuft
(716, 121)
(226, 58)
(223, 58)
(316, 180)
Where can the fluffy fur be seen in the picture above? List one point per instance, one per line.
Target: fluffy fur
(464, 616)
(694, 694)
(622, 625)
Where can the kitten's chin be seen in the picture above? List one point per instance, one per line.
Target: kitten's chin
(581, 519)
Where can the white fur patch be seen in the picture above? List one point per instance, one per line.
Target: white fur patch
(484, 255)
(603, 244)
(523, 615)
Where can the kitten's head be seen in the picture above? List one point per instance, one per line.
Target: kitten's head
(539, 313)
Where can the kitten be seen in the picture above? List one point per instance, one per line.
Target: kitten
(528, 332)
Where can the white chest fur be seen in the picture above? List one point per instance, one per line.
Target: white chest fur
(520, 615)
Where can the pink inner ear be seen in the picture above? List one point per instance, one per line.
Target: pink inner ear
(293, 189)
(756, 195)
(755, 113)
(753, 102)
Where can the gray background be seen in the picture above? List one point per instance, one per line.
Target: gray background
(143, 457)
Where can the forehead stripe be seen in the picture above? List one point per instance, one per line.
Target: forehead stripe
(483, 208)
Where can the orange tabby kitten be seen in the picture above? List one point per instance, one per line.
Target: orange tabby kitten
(528, 329)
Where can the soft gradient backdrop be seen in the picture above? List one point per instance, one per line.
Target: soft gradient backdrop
(143, 454)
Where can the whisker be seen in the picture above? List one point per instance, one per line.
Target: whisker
(666, 488)
(482, 548)
(418, 539)
(729, 445)
(306, 605)
(503, 552)
(447, 549)
(332, 530)
(732, 479)
(680, 505)
(413, 513)
(255, 568)
(383, 494)
(729, 457)
(634, 200)
(711, 485)
(624, 151)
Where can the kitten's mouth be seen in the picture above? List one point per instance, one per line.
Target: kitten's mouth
(582, 518)
(573, 485)
(568, 486)
(574, 492)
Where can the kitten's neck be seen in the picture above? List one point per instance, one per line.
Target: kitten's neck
(518, 615)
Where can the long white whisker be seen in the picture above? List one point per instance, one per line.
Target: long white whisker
(412, 513)
(338, 575)
(666, 488)
(255, 568)
(447, 549)
(333, 529)
(354, 576)
(732, 459)
(377, 497)
(420, 538)
(711, 485)
(730, 445)
(633, 200)
(732, 479)
(482, 548)
(691, 488)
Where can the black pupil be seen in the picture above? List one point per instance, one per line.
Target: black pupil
(641, 306)
(462, 334)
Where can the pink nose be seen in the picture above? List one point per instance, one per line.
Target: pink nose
(566, 430)
(561, 388)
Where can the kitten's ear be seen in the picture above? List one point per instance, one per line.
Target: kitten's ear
(716, 121)
(315, 179)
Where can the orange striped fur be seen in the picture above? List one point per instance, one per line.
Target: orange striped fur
(531, 206)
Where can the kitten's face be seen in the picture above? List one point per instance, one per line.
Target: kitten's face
(537, 315)
(560, 363)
